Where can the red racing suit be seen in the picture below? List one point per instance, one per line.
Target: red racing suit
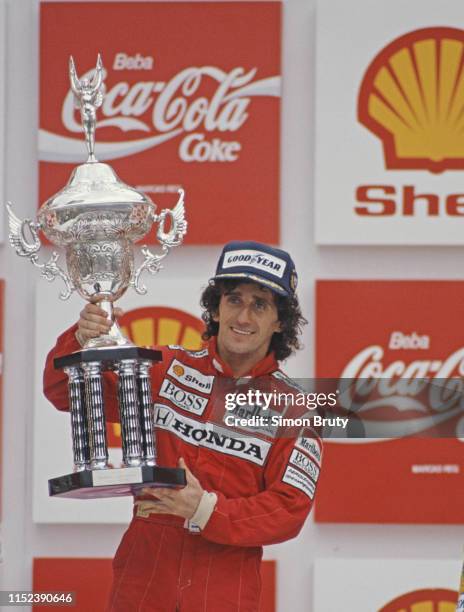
(265, 485)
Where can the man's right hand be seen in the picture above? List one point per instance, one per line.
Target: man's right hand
(93, 322)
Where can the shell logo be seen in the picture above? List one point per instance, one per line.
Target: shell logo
(158, 325)
(424, 600)
(178, 370)
(412, 98)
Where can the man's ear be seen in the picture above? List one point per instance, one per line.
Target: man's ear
(278, 327)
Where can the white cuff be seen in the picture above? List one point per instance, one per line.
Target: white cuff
(205, 509)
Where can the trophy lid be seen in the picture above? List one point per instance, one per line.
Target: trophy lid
(91, 186)
(94, 205)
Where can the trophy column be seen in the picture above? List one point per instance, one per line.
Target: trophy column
(79, 429)
(129, 413)
(146, 413)
(95, 415)
(92, 476)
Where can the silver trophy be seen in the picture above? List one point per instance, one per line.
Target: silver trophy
(97, 219)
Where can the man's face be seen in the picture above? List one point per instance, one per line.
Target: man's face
(247, 320)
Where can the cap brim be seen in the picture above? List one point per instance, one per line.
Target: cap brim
(256, 279)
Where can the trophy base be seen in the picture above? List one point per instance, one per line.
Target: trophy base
(107, 355)
(115, 482)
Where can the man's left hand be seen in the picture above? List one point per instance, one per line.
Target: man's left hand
(180, 502)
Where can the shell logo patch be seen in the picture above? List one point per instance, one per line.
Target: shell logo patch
(178, 370)
(412, 98)
(424, 600)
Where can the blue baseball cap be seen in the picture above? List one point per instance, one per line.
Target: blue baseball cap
(260, 263)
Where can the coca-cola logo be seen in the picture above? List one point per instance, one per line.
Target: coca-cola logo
(422, 393)
(191, 104)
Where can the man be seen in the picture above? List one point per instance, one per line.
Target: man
(199, 548)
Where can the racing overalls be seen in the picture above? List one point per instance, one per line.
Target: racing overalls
(264, 482)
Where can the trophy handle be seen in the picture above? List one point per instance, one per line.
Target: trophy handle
(175, 236)
(29, 247)
(178, 229)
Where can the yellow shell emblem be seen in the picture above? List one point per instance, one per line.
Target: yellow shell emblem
(160, 326)
(412, 98)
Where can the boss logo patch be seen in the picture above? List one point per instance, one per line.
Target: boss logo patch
(303, 462)
(183, 399)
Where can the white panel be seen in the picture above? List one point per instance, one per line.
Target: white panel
(348, 155)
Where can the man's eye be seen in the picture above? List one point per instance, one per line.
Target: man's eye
(260, 305)
(233, 299)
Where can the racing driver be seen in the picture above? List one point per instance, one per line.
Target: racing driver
(199, 548)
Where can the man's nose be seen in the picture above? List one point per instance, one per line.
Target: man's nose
(244, 315)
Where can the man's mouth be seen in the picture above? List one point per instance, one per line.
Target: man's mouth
(242, 332)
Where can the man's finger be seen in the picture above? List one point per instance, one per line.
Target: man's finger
(85, 316)
(95, 310)
(150, 492)
(88, 333)
(181, 463)
(158, 492)
(159, 508)
(146, 505)
(190, 477)
(94, 325)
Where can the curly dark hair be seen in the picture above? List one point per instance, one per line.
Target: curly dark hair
(283, 343)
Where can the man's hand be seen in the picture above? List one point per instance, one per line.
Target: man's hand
(181, 502)
(93, 322)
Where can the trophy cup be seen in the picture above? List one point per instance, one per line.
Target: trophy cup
(97, 219)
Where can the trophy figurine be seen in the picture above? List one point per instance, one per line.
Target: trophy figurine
(97, 219)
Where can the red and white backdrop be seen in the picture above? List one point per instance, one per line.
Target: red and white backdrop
(395, 331)
(386, 585)
(389, 148)
(192, 100)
